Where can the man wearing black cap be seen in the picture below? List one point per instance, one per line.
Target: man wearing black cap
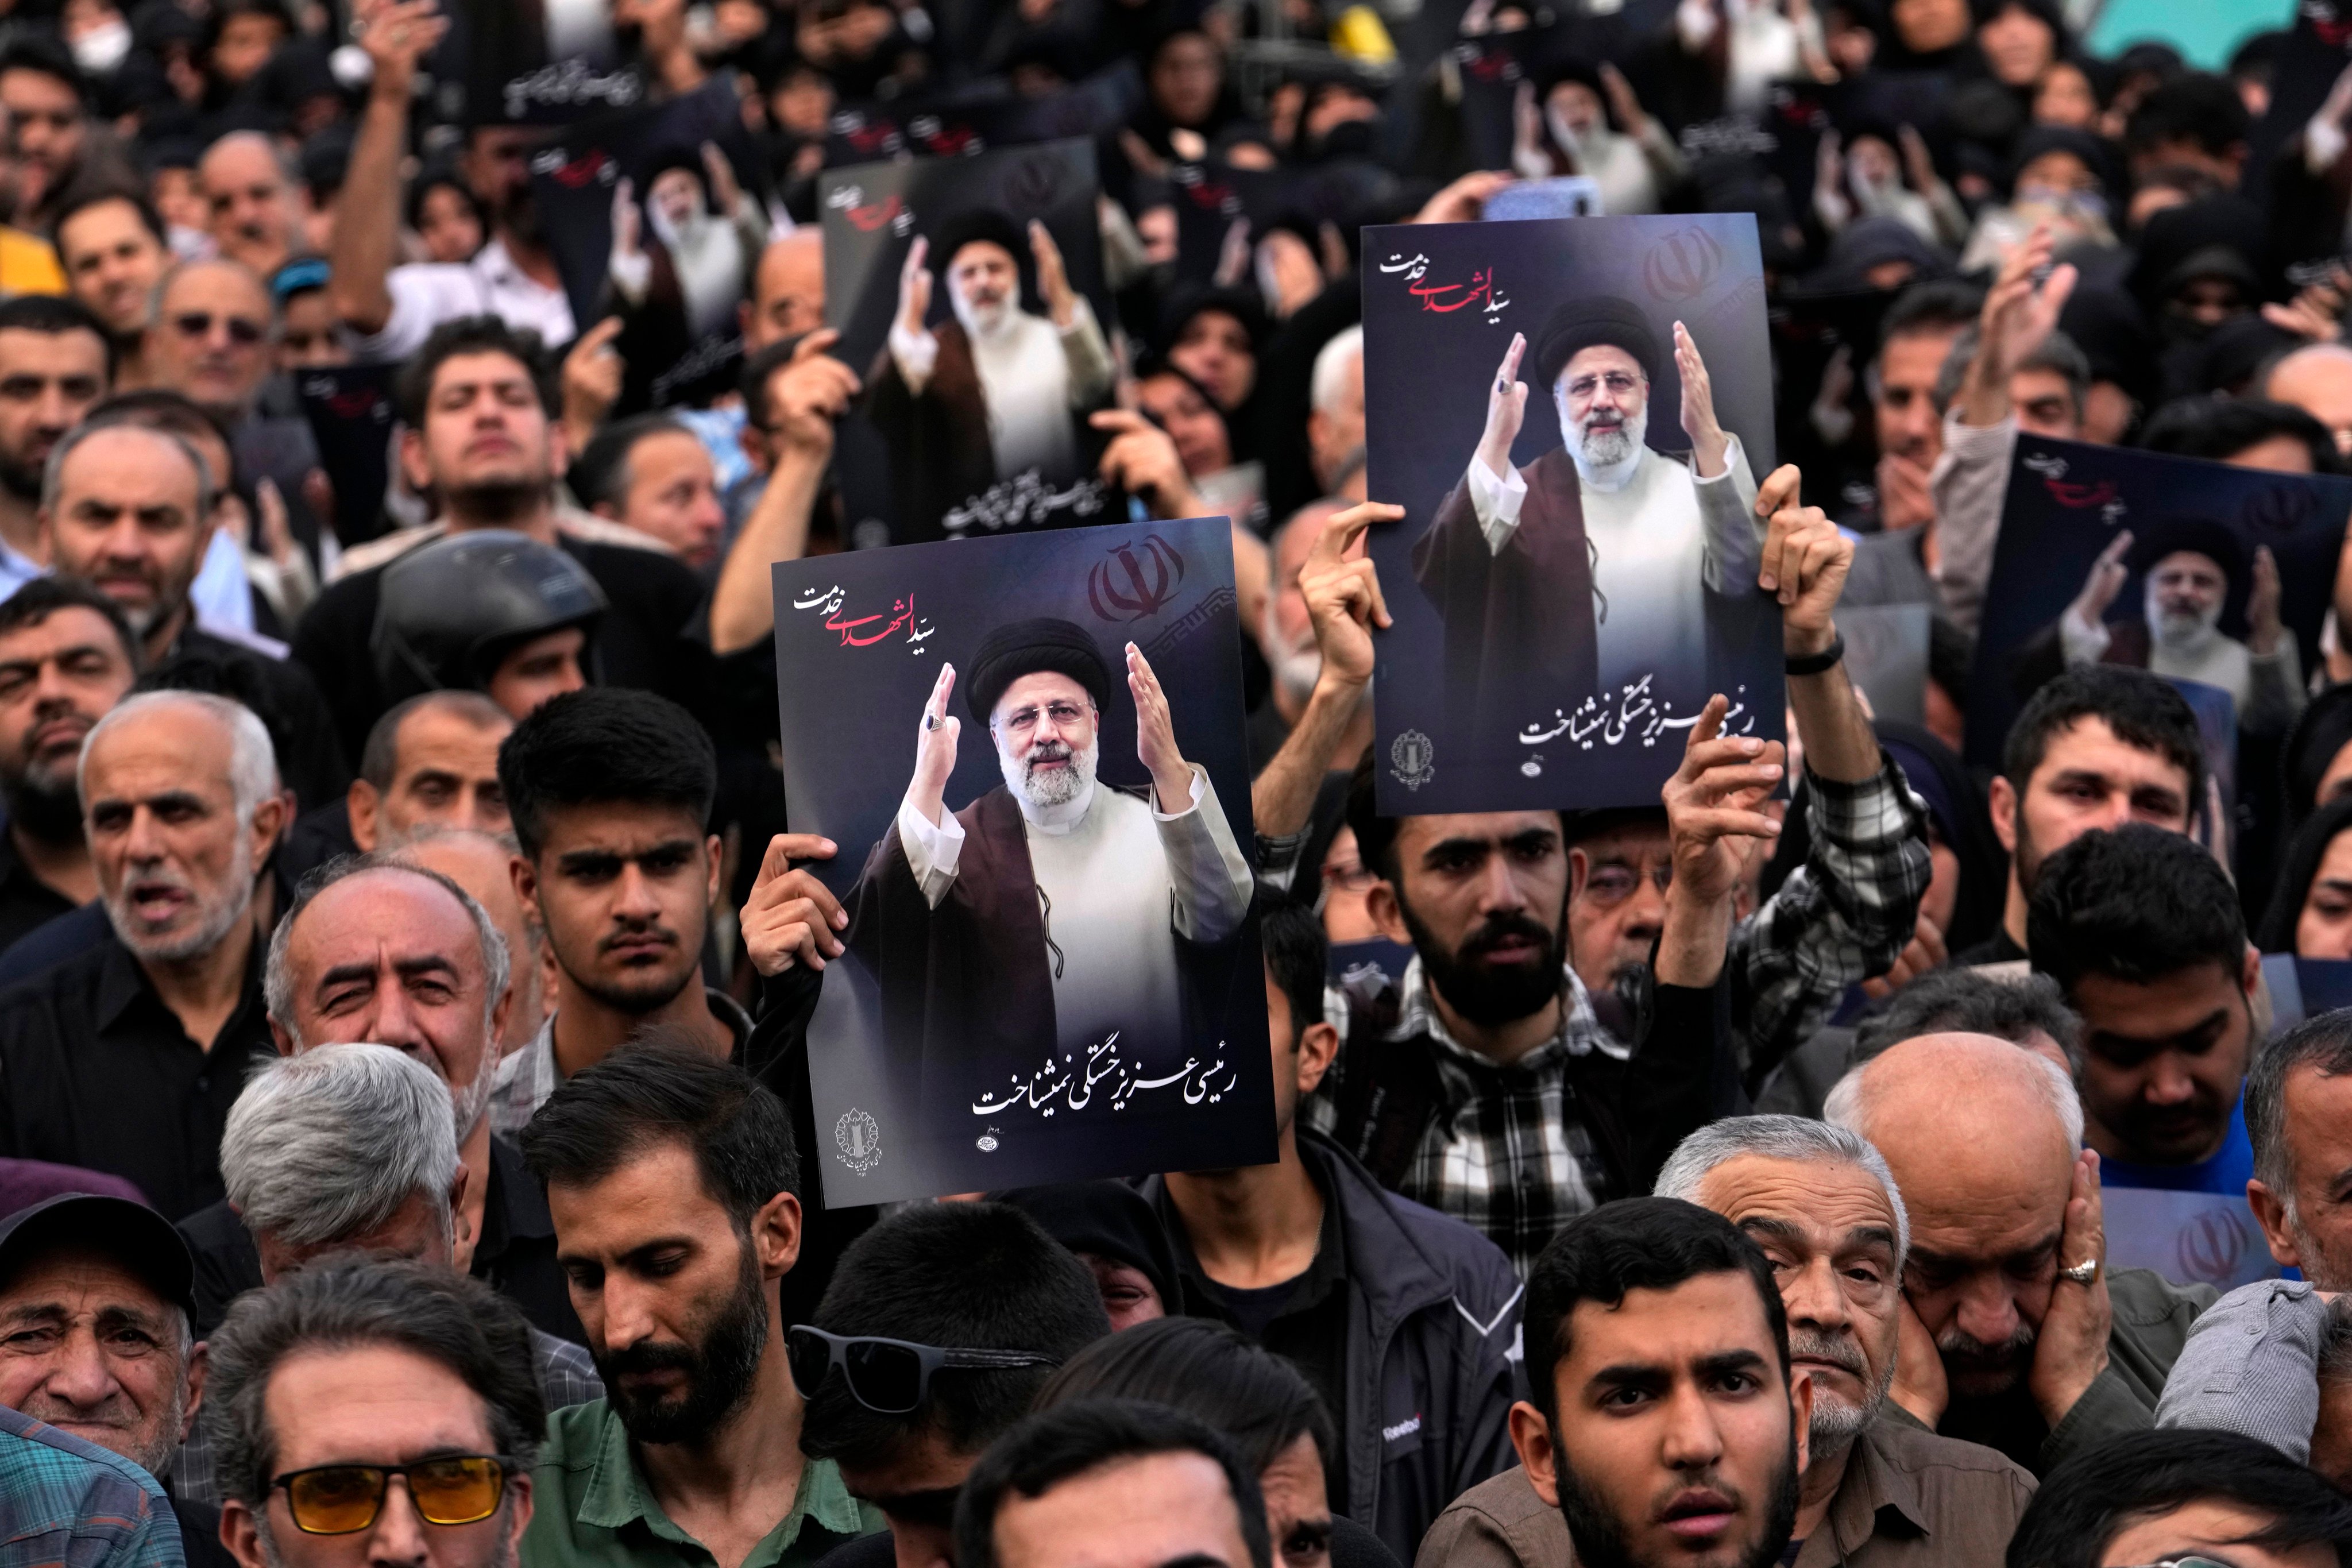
(94, 1309)
(1589, 568)
(996, 394)
(2190, 565)
(1054, 911)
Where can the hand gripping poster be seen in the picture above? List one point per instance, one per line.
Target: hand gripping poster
(1574, 413)
(1029, 753)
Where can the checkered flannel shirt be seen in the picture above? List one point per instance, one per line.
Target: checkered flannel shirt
(1844, 916)
(65, 1503)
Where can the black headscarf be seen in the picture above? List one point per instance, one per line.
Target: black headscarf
(2324, 729)
(2303, 854)
(1109, 1219)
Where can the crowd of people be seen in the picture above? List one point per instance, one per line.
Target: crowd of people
(407, 1149)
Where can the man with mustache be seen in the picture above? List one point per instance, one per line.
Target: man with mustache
(1057, 912)
(1664, 1423)
(2189, 566)
(376, 949)
(2142, 931)
(1590, 567)
(673, 1182)
(994, 395)
(610, 793)
(126, 1057)
(66, 656)
(56, 363)
(2040, 1350)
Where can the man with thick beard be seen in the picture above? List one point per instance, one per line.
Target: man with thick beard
(997, 393)
(1590, 567)
(126, 1057)
(1664, 1424)
(2097, 747)
(55, 362)
(1055, 913)
(673, 1180)
(378, 949)
(2190, 565)
(66, 656)
(2042, 1351)
(610, 793)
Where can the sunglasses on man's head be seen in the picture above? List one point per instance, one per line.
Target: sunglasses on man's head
(889, 1377)
(337, 1499)
(242, 330)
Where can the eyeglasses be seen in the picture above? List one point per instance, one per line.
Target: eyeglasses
(243, 331)
(1619, 384)
(889, 1377)
(337, 1499)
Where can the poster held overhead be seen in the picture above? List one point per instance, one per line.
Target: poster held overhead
(1030, 753)
(1575, 414)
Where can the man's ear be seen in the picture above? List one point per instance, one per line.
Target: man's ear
(461, 1237)
(1579, 870)
(413, 466)
(526, 883)
(199, 1364)
(1318, 1044)
(1531, 1436)
(270, 815)
(776, 1236)
(2002, 799)
(2250, 973)
(1801, 1411)
(2270, 1212)
(360, 801)
(240, 1531)
(1386, 911)
(277, 1032)
(714, 850)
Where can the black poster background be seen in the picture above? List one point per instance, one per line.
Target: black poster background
(2065, 502)
(573, 179)
(873, 213)
(1428, 371)
(540, 62)
(849, 716)
(351, 418)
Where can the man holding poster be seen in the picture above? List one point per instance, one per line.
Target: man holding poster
(1054, 911)
(1526, 564)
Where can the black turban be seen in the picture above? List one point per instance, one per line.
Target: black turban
(1596, 319)
(2197, 536)
(1025, 647)
(972, 228)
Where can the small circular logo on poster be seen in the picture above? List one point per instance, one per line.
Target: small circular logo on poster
(987, 1143)
(1411, 759)
(858, 1138)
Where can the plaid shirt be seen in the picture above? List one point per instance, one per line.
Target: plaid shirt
(566, 1373)
(1508, 1153)
(527, 1076)
(65, 1503)
(1844, 916)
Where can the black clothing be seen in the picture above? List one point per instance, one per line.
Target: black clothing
(516, 1255)
(50, 943)
(1995, 949)
(96, 1071)
(199, 1530)
(26, 902)
(310, 761)
(642, 641)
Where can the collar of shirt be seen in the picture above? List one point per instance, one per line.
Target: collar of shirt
(17, 568)
(618, 1496)
(526, 1077)
(1057, 820)
(1873, 1498)
(123, 983)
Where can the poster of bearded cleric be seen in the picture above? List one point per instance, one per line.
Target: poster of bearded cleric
(1574, 413)
(2196, 570)
(968, 294)
(1029, 750)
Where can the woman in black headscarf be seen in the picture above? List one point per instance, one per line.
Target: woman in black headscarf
(2311, 907)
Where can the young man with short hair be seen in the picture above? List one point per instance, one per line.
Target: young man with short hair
(67, 656)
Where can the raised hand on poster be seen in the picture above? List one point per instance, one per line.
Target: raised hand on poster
(1709, 444)
(1052, 278)
(935, 750)
(1506, 410)
(914, 307)
(726, 191)
(2263, 628)
(2106, 579)
(631, 268)
(1155, 737)
(791, 918)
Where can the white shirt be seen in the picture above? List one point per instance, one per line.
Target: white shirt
(427, 293)
(1031, 376)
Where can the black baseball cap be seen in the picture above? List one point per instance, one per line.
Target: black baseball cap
(135, 1235)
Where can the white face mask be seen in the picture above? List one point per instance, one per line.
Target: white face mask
(100, 49)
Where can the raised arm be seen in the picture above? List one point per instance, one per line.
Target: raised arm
(805, 396)
(1344, 602)
(396, 34)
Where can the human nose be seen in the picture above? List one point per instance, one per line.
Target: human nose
(81, 1376)
(634, 898)
(2168, 1082)
(398, 1536)
(1647, 908)
(1988, 1311)
(392, 1021)
(1690, 1440)
(1497, 889)
(1811, 1295)
(145, 842)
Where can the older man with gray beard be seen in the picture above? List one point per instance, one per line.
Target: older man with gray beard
(1588, 569)
(126, 1057)
(1055, 912)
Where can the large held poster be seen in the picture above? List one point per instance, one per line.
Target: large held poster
(1574, 413)
(1030, 753)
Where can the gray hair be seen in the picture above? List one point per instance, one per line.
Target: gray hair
(1848, 1104)
(429, 1311)
(1799, 1140)
(2324, 1043)
(1330, 371)
(277, 976)
(332, 1144)
(53, 472)
(252, 760)
(1961, 1001)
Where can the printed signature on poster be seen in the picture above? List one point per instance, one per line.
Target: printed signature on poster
(865, 631)
(1025, 499)
(1066, 1085)
(1632, 714)
(1439, 297)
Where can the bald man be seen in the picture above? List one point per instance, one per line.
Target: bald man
(2316, 379)
(257, 202)
(2041, 1352)
(787, 292)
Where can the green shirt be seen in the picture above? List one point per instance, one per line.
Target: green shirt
(592, 1508)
